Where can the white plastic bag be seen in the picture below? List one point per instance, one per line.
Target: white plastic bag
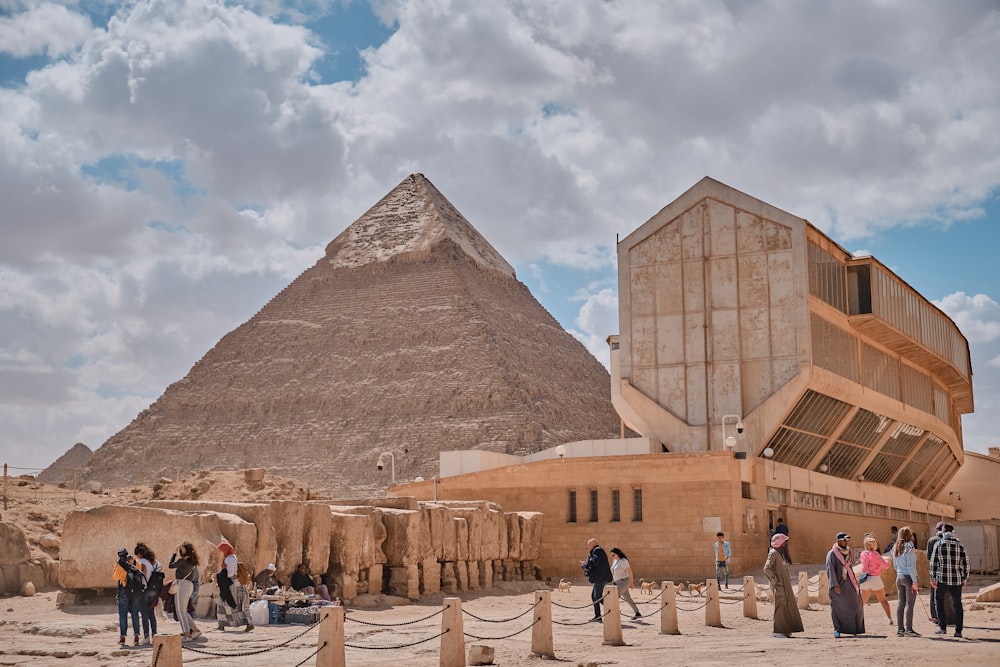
(258, 612)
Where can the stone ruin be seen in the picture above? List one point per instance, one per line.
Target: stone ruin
(395, 546)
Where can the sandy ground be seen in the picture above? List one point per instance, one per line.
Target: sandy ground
(33, 631)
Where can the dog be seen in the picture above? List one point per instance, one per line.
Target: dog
(646, 587)
(696, 588)
(564, 585)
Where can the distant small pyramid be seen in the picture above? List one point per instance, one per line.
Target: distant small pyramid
(411, 336)
(67, 466)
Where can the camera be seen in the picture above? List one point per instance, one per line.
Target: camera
(739, 427)
(379, 466)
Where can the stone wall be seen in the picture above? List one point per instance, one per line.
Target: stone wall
(364, 549)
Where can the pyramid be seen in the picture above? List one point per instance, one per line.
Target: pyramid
(412, 335)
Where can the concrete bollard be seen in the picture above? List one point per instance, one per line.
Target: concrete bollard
(453, 637)
(612, 618)
(166, 651)
(713, 608)
(802, 597)
(541, 631)
(749, 598)
(331, 638)
(668, 609)
(824, 588)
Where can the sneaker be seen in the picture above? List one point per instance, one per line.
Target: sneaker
(195, 634)
(958, 633)
(222, 627)
(911, 633)
(596, 619)
(780, 635)
(121, 643)
(637, 615)
(939, 631)
(900, 633)
(136, 642)
(836, 634)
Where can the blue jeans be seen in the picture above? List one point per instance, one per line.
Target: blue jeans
(721, 572)
(128, 607)
(596, 595)
(146, 612)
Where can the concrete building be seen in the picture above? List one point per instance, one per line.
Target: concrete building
(770, 374)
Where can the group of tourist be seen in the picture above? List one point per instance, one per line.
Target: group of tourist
(849, 591)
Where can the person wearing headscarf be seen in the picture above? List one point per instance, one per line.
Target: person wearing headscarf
(845, 592)
(786, 612)
(233, 607)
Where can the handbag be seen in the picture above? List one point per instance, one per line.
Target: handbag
(174, 587)
(863, 578)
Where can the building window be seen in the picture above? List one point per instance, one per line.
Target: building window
(777, 496)
(847, 505)
(876, 510)
(571, 513)
(812, 500)
(637, 504)
(745, 491)
(901, 514)
(593, 506)
(918, 517)
(616, 505)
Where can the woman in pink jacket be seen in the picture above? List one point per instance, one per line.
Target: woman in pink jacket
(872, 564)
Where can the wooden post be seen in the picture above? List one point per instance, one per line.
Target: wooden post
(453, 637)
(166, 651)
(713, 608)
(5, 486)
(749, 598)
(824, 588)
(668, 609)
(76, 476)
(331, 637)
(541, 631)
(802, 597)
(612, 617)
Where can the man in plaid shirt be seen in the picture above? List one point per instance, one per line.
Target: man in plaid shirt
(949, 572)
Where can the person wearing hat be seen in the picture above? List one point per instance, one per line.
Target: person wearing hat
(129, 594)
(786, 612)
(846, 609)
(938, 531)
(267, 578)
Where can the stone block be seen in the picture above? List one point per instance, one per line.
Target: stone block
(402, 541)
(989, 594)
(91, 538)
(13, 545)
(430, 577)
(480, 655)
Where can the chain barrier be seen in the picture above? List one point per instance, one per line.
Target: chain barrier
(555, 622)
(256, 652)
(310, 656)
(701, 606)
(156, 656)
(502, 620)
(393, 625)
(652, 599)
(562, 606)
(387, 648)
(533, 623)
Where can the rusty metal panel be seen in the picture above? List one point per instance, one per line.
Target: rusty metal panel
(755, 333)
(722, 228)
(722, 288)
(669, 340)
(669, 293)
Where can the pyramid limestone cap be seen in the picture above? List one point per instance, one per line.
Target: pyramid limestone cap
(412, 219)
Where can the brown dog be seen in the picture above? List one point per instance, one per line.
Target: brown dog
(696, 588)
(646, 587)
(564, 585)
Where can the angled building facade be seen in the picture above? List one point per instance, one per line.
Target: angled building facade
(734, 313)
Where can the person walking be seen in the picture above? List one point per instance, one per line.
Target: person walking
(872, 565)
(185, 561)
(904, 559)
(232, 607)
(723, 552)
(786, 612)
(930, 552)
(598, 572)
(130, 591)
(621, 576)
(949, 571)
(845, 598)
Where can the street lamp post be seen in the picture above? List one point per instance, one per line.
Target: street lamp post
(729, 441)
(392, 463)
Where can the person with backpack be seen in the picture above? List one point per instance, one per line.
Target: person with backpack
(153, 574)
(233, 607)
(131, 587)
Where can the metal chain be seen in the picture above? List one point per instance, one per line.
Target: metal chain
(392, 625)
(307, 658)
(258, 652)
(471, 636)
(502, 620)
(381, 648)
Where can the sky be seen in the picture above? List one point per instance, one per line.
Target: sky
(168, 166)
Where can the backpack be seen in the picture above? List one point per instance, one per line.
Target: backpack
(242, 574)
(135, 583)
(155, 582)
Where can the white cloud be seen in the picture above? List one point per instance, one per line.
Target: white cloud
(176, 167)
